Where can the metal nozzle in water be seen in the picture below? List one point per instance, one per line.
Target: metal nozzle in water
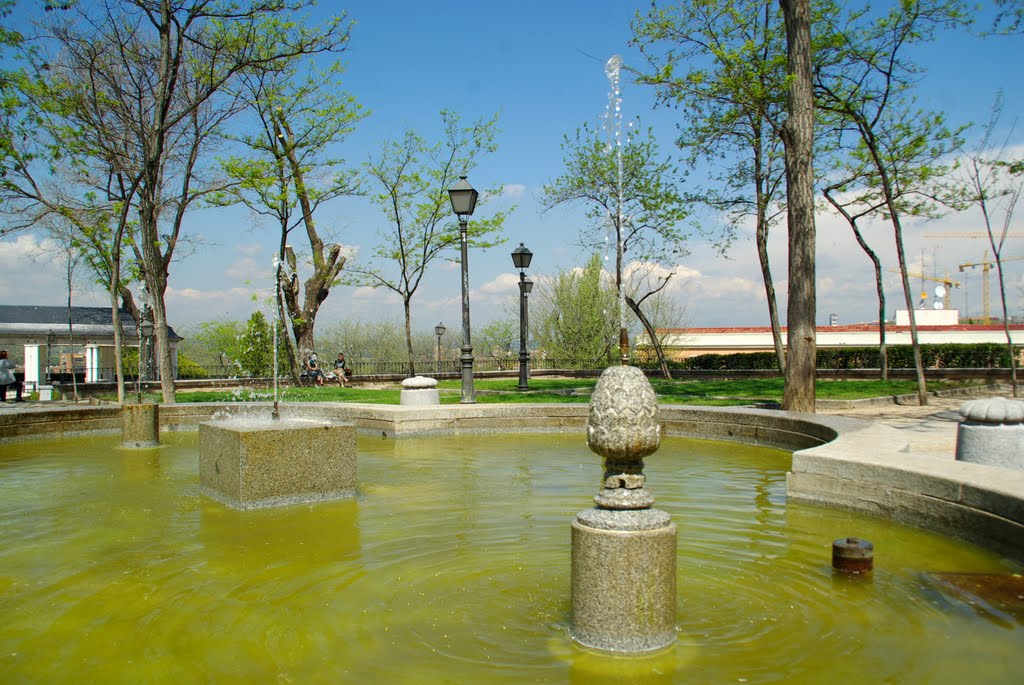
(853, 555)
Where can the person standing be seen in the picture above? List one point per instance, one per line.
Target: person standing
(7, 379)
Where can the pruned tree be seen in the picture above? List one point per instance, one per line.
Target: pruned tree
(722, 63)
(640, 208)
(300, 113)
(410, 178)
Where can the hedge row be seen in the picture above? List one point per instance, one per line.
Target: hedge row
(953, 355)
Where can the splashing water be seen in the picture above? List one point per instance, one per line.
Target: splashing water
(277, 314)
(613, 129)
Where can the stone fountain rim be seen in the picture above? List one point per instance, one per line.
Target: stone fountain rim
(837, 461)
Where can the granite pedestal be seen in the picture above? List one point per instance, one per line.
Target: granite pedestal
(257, 464)
(140, 425)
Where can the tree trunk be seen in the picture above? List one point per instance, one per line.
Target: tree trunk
(1006, 324)
(115, 318)
(894, 217)
(883, 356)
(654, 338)
(408, 335)
(769, 291)
(325, 267)
(163, 344)
(922, 388)
(761, 240)
(798, 138)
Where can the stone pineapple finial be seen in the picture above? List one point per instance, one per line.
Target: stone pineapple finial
(623, 428)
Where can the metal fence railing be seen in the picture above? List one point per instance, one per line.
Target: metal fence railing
(365, 368)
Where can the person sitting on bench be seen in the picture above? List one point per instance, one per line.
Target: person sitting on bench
(316, 374)
(341, 369)
(7, 379)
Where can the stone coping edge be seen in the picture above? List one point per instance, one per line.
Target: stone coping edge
(837, 461)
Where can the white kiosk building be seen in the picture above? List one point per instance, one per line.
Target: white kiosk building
(58, 342)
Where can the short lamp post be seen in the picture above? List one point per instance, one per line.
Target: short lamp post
(439, 330)
(521, 258)
(463, 198)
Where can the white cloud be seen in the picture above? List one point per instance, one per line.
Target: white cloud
(504, 284)
(366, 294)
(514, 191)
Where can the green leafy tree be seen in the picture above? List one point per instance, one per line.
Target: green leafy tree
(212, 343)
(300, 112)
(722, 64)
(499, 340)
(1009, 17)
(574, 316)
(256, 346)
(863, 81)
(410, 178)
(641, 205)
(142, 88)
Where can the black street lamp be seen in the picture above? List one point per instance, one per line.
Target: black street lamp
(521, 258)
(439, 330)
(145, 330)
(463, 198)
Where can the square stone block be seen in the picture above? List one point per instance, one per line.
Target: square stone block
(255, 464)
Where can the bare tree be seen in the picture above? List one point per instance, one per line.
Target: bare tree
(988, 184)
(410, 178)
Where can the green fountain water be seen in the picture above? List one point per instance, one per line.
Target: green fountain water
(452, 566)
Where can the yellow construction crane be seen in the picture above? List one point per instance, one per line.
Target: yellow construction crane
(986, 298)
(950, 284)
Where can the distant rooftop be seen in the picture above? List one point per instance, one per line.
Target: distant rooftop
(17, 319)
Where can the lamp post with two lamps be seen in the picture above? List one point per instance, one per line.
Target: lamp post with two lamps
(439, 330)
(521, 258)
(463, 198)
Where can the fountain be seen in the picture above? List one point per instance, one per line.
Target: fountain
(623, 551)
(140, 422)
(250, 463)
(451, 565)
(140, 425)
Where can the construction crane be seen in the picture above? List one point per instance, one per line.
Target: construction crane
(971, 234)
(950, 284)
(986, 298)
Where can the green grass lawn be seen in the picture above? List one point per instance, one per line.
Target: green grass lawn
(575, 390)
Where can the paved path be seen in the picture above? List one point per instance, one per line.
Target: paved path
(930, 429)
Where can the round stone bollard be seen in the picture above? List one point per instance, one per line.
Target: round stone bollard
(419, 391)
(140, 425)
(992, 433)
(623, 551)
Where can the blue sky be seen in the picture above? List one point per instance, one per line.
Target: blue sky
(541, 66)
